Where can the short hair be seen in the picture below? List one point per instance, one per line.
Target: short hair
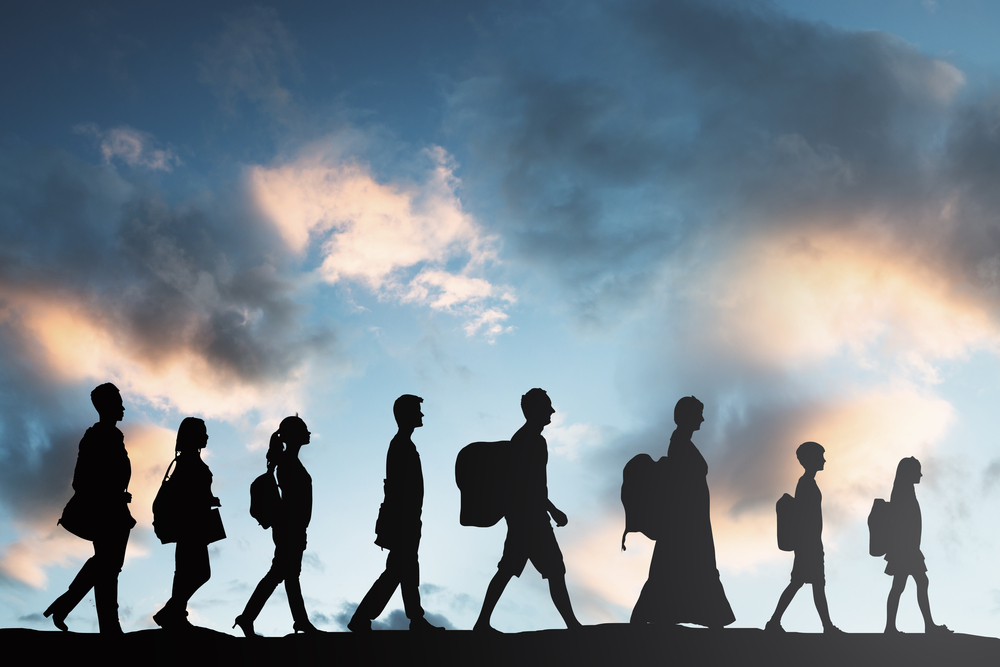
(186, 433)
(686, 409)
(404, 406)
(102, 396)
(533, 400)
(808, 449)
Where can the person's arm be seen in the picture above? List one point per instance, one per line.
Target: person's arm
(557, 515)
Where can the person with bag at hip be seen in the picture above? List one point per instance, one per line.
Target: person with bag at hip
(191, 518)
(98, 511)
(289, 528)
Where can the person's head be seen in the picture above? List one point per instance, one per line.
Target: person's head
(292, 432)
(689, 413)
(537, 406)
(407, 412)
(108, 402)
(191, 435)
(810, 455)
(908, 471)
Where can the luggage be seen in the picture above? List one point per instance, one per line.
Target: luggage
(645, 487)
(788, 524)
(482, 475)
(879, 527)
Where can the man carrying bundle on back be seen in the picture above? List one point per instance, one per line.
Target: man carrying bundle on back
(527, 510)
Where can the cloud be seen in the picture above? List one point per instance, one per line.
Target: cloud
(248, 61)
(398, 239)
(131, 146)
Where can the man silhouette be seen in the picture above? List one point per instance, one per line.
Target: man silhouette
(398, 525)
(808, 565)
(529, 533)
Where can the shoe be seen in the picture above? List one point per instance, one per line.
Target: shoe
(305, 627)
(423, 625)
(773, 626)
(168, 618)
(938, 630)
(246, 625)
(833, 630)
(59, 620)
(360, 625)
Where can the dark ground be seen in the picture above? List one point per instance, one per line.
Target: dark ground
(606, 645)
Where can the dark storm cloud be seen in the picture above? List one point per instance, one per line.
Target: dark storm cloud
(163, 280)
(661, 123)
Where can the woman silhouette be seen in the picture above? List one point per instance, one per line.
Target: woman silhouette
(289, 528)
(192, 485)
(683, 584)
(903, 557)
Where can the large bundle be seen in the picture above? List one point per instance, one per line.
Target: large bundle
(645, 486)
(482, 475)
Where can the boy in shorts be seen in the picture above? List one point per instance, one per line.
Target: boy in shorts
(808, 566)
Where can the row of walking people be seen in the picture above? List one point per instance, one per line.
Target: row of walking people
(683, 584)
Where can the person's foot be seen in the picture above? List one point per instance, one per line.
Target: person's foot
(246, 625)
(833, 630)
(170, 618)
(422, 625)
(773, 626)
(485, 628)
(892, 631)
(938, 630)
(58, 618)
(304, 627)
(362, 625)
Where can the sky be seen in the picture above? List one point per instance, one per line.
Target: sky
(243, 211)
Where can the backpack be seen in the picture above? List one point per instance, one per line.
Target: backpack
(482, 475)
(165, 519)
(645, 483)
(788, 524)
(265, 500)
(879, 527)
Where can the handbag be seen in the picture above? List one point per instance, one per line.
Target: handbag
(78, 518)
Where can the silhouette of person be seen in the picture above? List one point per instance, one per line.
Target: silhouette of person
(529, 532)
(683, 584)
(398, 526)
(100, 484)
(192, 484)
(289, 528)
(808, 565)
(903, 556)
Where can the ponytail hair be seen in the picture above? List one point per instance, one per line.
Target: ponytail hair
(275, 450)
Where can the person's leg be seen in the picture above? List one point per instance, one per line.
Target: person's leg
(377, 596)
(493, 593)
(892, 603)
(560, 597)
(109, 552)
(265, 588)
(923, 601)
(783, 601)
(78, 589)
(819, 597)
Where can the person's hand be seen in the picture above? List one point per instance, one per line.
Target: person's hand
(128, 497)
(559, 517)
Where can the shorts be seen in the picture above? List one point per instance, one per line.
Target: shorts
(534, 541)
(808, 567)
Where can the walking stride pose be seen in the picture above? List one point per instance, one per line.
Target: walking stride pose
(194, 522)
(527, 510)
(903, 556)
(683, 584)
(398, 525)
(98, 511)
(289, 528)
(808, 519)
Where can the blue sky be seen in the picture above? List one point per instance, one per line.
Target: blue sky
(241, 212)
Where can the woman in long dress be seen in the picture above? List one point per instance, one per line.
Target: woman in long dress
(904, 558)
(192, 484)
(289, 528)
(683, 584)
